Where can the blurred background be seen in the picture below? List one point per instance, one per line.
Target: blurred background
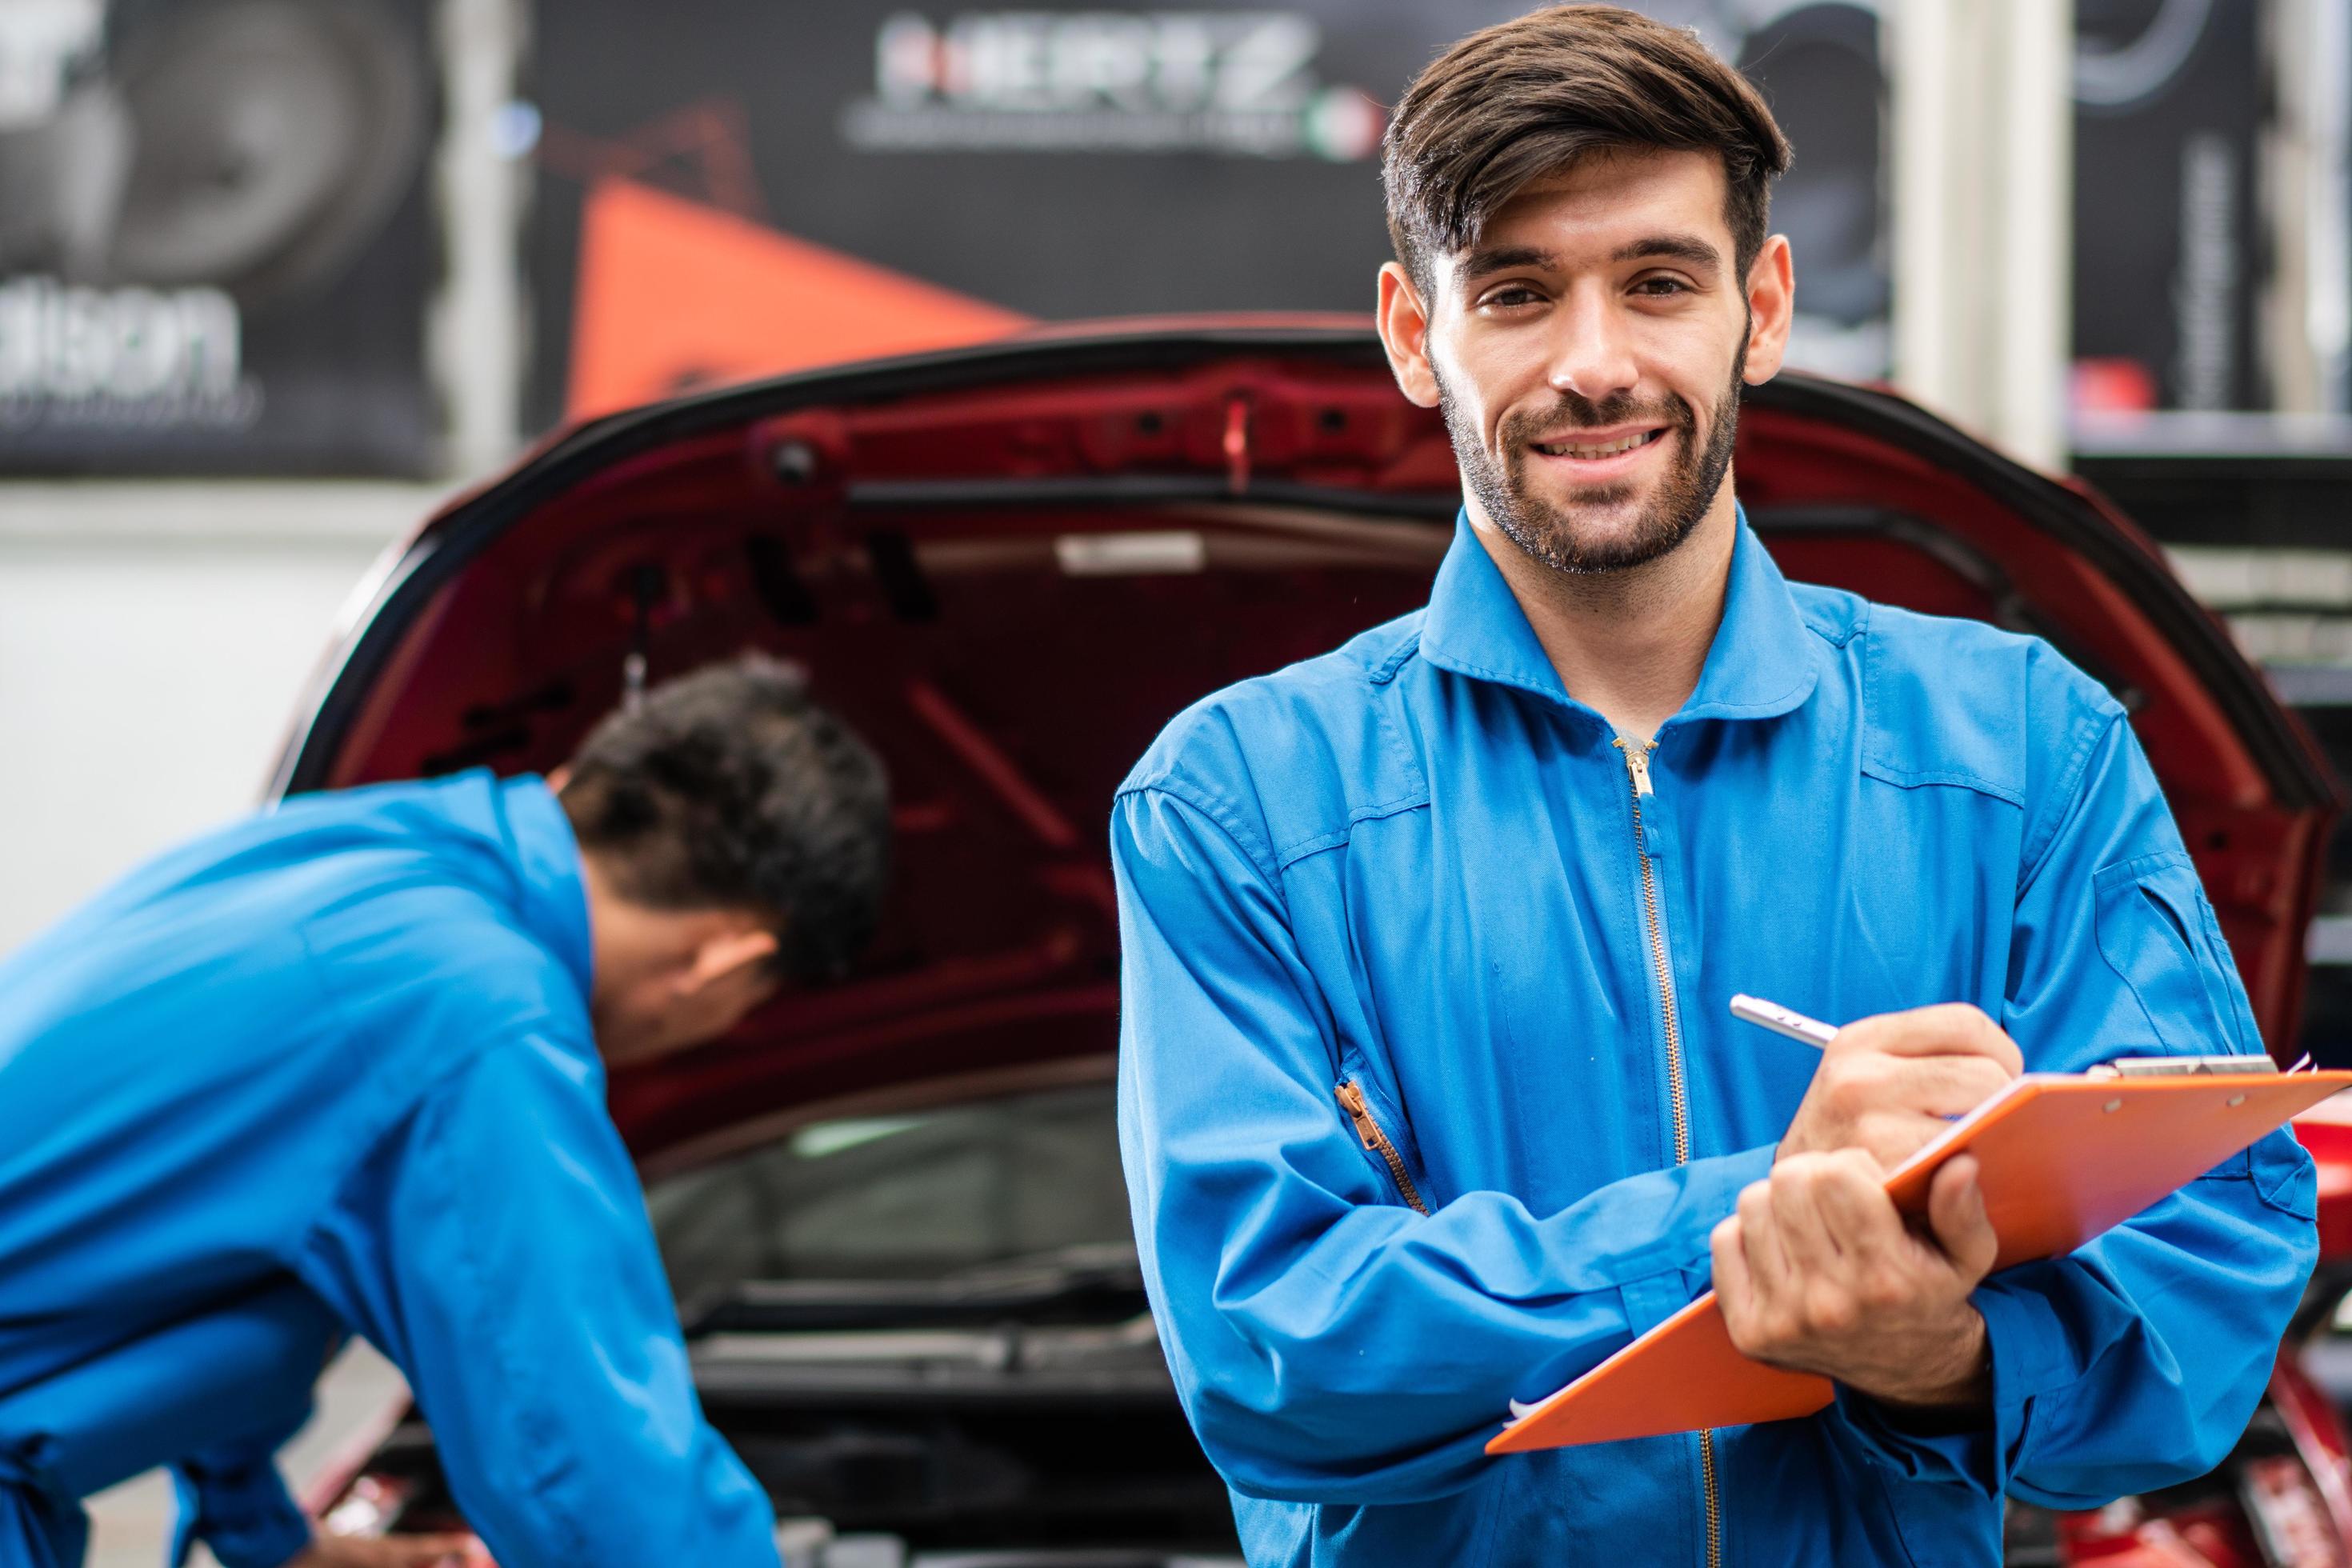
(278, 276)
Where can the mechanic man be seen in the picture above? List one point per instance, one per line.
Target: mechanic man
(341, 1069)
(1428, 1095)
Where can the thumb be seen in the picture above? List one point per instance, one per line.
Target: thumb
(1956, 1213)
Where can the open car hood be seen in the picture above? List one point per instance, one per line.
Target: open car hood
(1010, 565)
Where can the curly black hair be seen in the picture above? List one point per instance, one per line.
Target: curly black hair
(728, 788)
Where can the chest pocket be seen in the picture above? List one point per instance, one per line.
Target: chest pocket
(2157, 932)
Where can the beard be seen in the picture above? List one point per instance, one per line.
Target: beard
(1562, 537)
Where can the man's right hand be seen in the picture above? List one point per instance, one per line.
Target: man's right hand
(1886, 1085)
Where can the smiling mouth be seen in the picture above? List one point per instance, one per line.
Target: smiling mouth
(1597, 449)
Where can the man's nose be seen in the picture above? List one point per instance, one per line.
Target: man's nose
(1592, 353)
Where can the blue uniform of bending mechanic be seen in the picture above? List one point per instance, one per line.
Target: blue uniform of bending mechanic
(1415, 869)
(330, 1071)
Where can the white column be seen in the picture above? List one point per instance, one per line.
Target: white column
(2307, 298)
(1982, 197)
(476, 335)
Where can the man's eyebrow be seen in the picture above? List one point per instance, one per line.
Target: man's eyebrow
(1687, 247)
(1502, 258)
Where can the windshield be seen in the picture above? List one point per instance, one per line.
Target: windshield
(918, 1195)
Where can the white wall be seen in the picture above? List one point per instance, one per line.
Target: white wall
(153, 640)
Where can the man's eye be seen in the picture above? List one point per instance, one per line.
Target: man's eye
(1661, 287)
(1508, 298)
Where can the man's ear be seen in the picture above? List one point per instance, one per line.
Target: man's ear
(1771, 303)
(1403, 321)
(728, 951)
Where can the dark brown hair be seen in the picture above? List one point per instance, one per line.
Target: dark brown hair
(728, 789)
(1531, 97)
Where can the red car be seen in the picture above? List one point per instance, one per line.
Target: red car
(893, 1210)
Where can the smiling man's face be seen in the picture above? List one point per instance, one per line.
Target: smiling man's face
(1588, 351)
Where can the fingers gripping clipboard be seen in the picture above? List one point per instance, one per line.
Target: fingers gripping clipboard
(2061, 1158)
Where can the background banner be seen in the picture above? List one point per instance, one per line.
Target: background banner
(217, 238)
(731, 189)
(2169, 239)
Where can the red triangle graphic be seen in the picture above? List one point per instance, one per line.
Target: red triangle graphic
(675, 294)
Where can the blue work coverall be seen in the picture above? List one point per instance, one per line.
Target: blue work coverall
(1417, 871)
(330, 1071)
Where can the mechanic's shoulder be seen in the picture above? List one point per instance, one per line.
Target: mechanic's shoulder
(425, 975)
(1998, 671)
(539, 1057)
(1949, 700)
(1282, 759)
(1832, 614)
(502, 1054)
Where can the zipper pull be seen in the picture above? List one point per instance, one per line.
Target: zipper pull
(1637, 763)
(1351, 1101)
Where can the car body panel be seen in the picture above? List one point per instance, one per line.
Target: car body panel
(1009, 566)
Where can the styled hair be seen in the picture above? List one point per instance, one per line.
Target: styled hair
(1534, 96)
(728, 788)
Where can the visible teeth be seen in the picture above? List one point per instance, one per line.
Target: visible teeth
(1611, 451)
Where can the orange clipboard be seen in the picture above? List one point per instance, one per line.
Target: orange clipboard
(2061, 1157)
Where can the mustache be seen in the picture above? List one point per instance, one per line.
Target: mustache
(1575, 410)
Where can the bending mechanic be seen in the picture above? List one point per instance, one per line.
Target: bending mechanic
(341, 1069)
(1428, 1100)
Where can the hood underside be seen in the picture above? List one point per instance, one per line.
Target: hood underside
(1009, 566)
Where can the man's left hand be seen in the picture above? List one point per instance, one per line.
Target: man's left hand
(1819, 1273)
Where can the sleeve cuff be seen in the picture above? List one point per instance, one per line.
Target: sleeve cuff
(1713, 1188)
(1966, 1458)
(247, 1518)
(2029, 1351)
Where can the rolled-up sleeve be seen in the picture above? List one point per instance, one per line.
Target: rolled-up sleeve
(232, 1498)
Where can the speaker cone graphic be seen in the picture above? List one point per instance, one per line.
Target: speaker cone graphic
(250, 145)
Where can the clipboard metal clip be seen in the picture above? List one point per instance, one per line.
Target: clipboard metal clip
(2188, 1067)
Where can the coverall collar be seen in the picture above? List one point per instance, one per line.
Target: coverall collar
(553, 895)
(1762, 663)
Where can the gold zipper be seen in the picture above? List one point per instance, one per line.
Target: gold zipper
(1351, 1101)
(1714, 1508)
(1637, 769)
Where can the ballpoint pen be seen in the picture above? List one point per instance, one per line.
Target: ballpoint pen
(1782, 1020)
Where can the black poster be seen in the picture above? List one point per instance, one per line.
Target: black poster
(1819, 66)
(216, 237)
(2168, 102)
(728, 188)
